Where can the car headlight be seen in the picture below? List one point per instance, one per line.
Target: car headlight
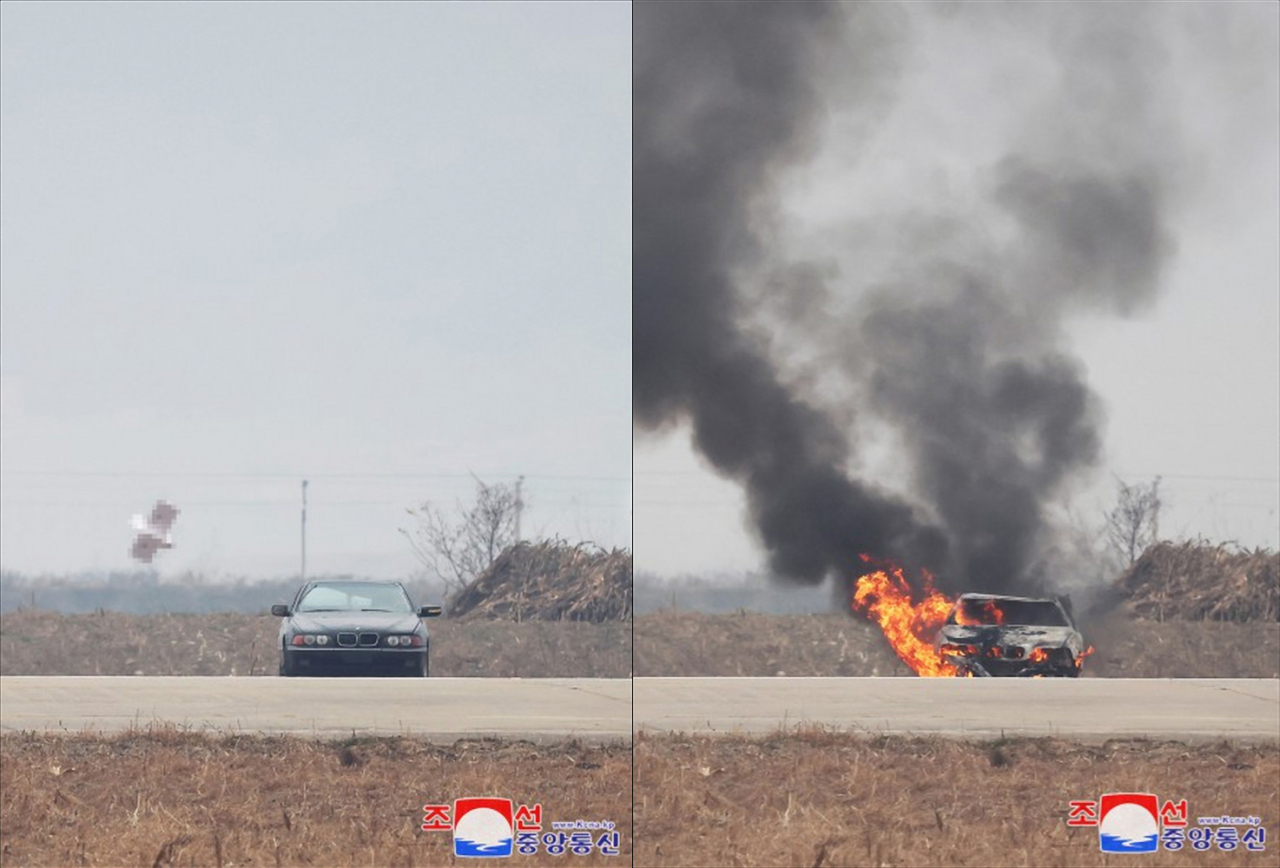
(393, 641)
(322, 640)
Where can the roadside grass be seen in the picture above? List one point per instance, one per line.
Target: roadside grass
(821, 798)
(667, 643)
(167, 796)
(34, 642)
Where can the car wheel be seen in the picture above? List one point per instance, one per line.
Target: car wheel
(287, 667)
(426, 667)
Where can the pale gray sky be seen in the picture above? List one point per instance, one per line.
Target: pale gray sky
(1191, 385)
(376, 245)
(384, 245)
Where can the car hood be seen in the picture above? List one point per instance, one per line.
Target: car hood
(395, 622)
(1026, 637)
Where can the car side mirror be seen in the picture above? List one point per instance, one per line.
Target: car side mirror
(430, 611)
(280, 610)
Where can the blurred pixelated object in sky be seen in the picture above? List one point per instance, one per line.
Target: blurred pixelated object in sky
(153, 532)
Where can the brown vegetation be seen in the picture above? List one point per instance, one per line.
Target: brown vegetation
(1197, 582)
(818, 798)
(111, 643)
(666, 643)
(674, 643)
(166, 797)
(550, 581)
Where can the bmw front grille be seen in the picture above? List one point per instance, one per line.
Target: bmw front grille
(364, 640)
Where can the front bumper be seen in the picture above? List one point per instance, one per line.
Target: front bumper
(356, 661)
(997, 663)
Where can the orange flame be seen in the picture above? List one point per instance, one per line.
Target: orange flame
(885, 597)
(1083, 654)
(991, 614)
(1038, 655)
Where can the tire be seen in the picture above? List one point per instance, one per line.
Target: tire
(287, 667)
(422, 670)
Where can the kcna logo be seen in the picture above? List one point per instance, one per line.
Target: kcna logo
(1128, 823)
(1140, 823)
(483, 827)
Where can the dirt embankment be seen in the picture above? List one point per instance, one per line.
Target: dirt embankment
(1193, 581)
(689, 643)
(550, 581)
(825, 799)
(166, 797)
(110, 643)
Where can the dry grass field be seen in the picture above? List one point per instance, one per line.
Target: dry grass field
(33, 642)
(673, 643)
(166, 797)
(818, 799)
(667, 643)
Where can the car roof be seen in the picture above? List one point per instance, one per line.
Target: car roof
(311, 583)
(1005, 597)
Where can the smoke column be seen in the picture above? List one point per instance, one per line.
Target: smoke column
(723, 99)
(961, 351)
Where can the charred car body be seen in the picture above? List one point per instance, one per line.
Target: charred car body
(988, 635)
(336, 627)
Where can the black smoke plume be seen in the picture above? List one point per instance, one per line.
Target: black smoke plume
(723, 99)
(962, 353)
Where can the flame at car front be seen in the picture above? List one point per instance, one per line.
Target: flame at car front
(885, 597)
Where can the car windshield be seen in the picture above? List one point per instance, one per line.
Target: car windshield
(354, 596)
(1022, 613)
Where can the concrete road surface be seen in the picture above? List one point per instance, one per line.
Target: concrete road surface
(600, 709)
(442, 708)
(1089, 709)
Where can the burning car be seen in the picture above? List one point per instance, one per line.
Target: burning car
(988, 635)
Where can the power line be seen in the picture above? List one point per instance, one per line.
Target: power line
(1201, 476)
(692, 474)
(80, 504)
(294, 476)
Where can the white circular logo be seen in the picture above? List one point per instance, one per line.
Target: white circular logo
(1130, 823)
(483, 827)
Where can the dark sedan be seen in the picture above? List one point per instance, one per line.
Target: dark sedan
(335, 627)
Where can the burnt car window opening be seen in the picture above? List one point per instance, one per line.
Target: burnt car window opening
(1021, 613)
(354, 596)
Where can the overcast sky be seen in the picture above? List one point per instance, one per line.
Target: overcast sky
(383, 246)
(1190, 383)
(378, 246)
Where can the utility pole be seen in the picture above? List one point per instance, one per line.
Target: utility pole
(304, 530)
(524, 579)
(519, 505)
